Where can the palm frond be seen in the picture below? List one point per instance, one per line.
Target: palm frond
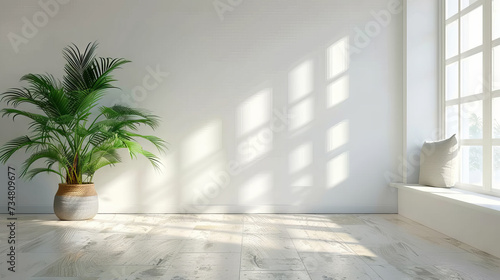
(155, 161)
(82, 103)
(62, 129)
(16, 96)
(100, 157)
(100, 72)
(133, 116)
(15, 145)
(77, 63)
(159, 143)
(41, 119)
(40, 123)
(50, 154)
(134, 148)
(35, 171)
(41, 84)
(46, 93)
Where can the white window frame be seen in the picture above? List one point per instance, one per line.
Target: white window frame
(487, 142)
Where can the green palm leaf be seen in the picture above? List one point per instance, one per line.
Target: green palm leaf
(35, 171)
(14, 145)
(76, 64)
(51, 156)
(65, 130)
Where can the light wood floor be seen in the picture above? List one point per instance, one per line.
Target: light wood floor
(250, 246)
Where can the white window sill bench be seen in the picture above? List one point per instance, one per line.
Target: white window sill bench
(467, 216)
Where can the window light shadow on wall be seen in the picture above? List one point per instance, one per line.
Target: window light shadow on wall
(337, 136)
(201, 144)
(160, 186)
(201, 156)
(254, 112)
(300, 162)
(301, 186)
(255, 139)
(337, 170)
(301, 104)
(202, 152)
(111, 190)
(337, 91)
(307, 116)
(300, 99)
(337, 56)
(300, 158)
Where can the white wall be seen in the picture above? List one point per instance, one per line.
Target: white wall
(422, 81)
(234, 74)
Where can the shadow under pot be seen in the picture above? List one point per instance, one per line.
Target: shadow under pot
(75, 202)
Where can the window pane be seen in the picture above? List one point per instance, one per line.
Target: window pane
(471, 29)
(452, 81)
(496, 68)
(472, 165)
(451, 7)
(452, 39)
(472, 75)
(466, 3)
(496, 117)
(451, 120)
(472, 120)
(496, 168)
(496, 19)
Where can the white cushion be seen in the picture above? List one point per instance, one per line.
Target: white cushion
(439, 163)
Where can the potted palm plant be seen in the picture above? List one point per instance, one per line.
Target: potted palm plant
(72, 133)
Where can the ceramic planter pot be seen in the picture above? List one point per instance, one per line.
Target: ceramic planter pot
(74, 202)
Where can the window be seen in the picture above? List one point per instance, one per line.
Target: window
(471, 89)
